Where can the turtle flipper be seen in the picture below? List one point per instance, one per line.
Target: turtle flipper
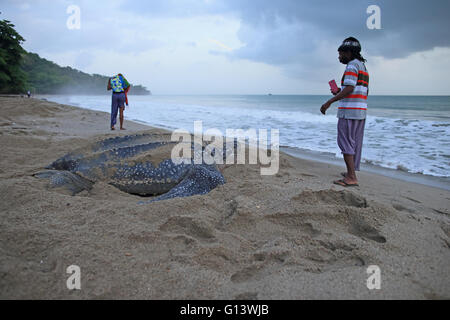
(66, 181)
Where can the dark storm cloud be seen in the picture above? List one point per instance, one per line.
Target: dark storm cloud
(283, 32)
(279, 32)
(407, 26)
(297, 26)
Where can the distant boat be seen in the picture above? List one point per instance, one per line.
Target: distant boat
(269, 94)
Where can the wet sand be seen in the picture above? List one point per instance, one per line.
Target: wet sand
(293, 235)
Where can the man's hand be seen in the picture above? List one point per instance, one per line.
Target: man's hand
(335, 92)
(324, 107)
(340, 95)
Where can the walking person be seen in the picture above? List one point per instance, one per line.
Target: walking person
(352, 108)
(119, 85)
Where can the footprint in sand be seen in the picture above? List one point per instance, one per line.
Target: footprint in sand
(182, 244)
(189, 226)
(264, 260)
(331, 197)
(247, 273)
(279, 256)
(363, 230)
(294, 221)
(400, 207)
(218, 259)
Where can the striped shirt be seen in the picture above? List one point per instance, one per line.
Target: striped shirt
(354, 106)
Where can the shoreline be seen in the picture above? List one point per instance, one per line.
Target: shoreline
(293, 235)
(427, 180)
(305, 154)
(403, 175)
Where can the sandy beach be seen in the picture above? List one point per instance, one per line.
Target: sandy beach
(293, 235)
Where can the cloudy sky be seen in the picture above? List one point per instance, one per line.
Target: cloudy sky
(242, 46)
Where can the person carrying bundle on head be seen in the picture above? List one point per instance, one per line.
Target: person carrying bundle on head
(119, 86)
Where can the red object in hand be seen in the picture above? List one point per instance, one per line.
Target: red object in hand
(333, 86)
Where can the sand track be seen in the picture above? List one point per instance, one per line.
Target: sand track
(293, 235)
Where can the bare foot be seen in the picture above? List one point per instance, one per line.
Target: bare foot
(123, 129)
(350, 181)
(112, 128)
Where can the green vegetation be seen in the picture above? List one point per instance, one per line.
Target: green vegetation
(21, 71)
(46, 77)
(12, 77)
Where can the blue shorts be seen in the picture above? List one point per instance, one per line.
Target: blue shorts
(350, 138)
(117, 101)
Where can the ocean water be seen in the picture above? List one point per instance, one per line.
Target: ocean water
(407, 133)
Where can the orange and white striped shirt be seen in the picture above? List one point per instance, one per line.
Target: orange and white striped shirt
(354, 106)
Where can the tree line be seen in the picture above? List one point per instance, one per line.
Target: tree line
(22, 71)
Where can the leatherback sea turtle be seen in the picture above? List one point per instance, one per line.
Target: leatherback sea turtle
(137, 164)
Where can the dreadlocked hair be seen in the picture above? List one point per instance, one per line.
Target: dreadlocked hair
(359, 57)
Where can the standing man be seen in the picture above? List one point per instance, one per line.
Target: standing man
(352, 108)
(118, 84)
